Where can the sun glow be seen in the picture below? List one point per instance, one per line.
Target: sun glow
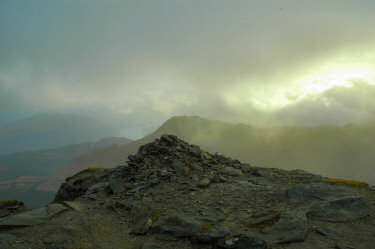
(344, 77)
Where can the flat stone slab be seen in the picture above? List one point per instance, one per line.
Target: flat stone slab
(318, 192)
(344, 209)
(33, 217)
(6, 237)
(181, 226)
(291, 227)
(75, 205)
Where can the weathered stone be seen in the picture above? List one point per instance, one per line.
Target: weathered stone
(75, 227)
(116, 185)
(317, 191)
(263, 220)
(181, 226)
(169, 139)
(326, 231)
(6, 237)
(77, 185)
(34, 217)
(195, 150)
(194, 178)
(231, 171)
(205, 155)
(196, 167)
(143, 224)
(204, 182)
(9, 207)
(55, 209)
(291, 227)
(151, 246)
(100, 186)
(178, 166)
(344, 209)
(56, 237)
(242, 242)
(75, 205)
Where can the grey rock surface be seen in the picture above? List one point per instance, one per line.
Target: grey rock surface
(174, 195)
(291, 227)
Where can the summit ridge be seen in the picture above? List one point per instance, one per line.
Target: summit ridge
(172, 194)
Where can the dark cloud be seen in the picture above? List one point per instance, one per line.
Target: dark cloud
(151, 60)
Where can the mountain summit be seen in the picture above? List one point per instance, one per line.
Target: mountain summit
(172, 194)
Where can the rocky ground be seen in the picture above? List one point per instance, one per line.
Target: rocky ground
(175, 195)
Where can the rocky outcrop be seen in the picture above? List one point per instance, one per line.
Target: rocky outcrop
(173, 194)
(11, 207)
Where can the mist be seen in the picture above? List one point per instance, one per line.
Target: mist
(254, 62)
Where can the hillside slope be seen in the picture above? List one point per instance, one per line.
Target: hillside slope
(21, 172)
(171, 194)
(49, 130)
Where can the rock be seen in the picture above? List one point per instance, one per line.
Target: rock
(326, 231)
(194, 178)
(196, 167)
(181, 226)
(177, 199)
(291, 227)
(195, 150)
(78, 184)
(75, 227)
(55, 209)
(151, 246)
(204, 183)
(262, 221)
(100, 186)
(344, 209)
(205, 155)
(56, 237)
(250, 184)
(116, 185)
(34, 217)
(75, 205)
(143, 224)
(178, 166)
(242, 242)
(9, 207)
(317, 191)
(168, 139)
(231, 171)
(6, 237)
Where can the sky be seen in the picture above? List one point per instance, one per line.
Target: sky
(265, 63)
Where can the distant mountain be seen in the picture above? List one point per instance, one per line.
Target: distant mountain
(49, 130)
(345, 152)
(21, 172)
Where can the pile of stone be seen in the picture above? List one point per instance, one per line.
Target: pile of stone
(173, 194)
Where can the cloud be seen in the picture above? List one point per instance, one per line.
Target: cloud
(150, 61)
(337, 105)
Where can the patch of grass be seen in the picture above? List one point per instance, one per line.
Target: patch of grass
(349, 182)
(275, 170)
(207, 226)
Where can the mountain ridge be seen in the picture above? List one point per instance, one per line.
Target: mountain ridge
(21, 172)
(172, 194)
(48, 130)
(326, 150)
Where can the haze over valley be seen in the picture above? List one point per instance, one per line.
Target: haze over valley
(278, 84)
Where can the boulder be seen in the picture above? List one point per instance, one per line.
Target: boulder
(291, 227)
(34, 217)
